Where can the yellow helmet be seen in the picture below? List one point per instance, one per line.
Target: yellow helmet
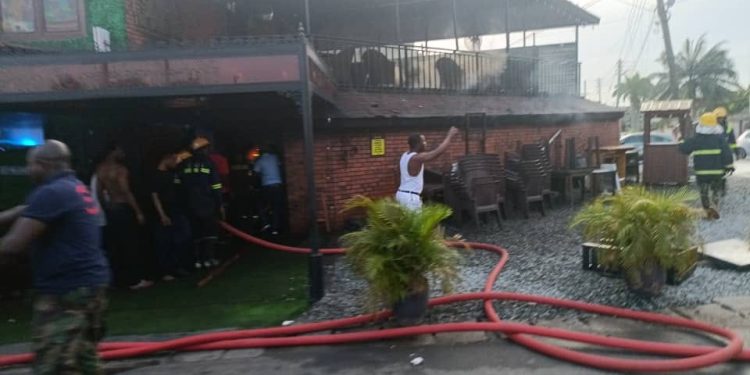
(199, 143)
(708, 119)
(721, 112)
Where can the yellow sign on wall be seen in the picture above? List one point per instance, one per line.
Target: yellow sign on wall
(377, 146)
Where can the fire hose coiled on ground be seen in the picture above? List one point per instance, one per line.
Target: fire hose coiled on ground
(686, 357)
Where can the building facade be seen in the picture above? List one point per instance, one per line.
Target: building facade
(320, 78)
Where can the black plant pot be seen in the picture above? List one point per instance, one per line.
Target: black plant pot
(411, 309)
(648, 280)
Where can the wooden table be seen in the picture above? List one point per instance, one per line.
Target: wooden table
(619, 154)
(568, 175)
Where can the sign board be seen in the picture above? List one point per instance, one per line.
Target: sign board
(377, 146)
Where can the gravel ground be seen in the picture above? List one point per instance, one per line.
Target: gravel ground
(545, 260)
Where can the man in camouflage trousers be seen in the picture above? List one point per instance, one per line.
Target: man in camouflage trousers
(70, 273)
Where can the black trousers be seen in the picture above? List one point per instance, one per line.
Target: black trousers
(173, 245)
(273, 195)
(123, 245)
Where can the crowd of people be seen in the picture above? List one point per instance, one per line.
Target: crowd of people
(83, 240)
(189, 193)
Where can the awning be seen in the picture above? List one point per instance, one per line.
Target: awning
(420, 20)
(413, 105)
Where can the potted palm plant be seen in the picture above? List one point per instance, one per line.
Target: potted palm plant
(397, 250)
(650, 232)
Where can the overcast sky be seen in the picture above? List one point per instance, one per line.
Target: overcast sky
(624, 26)
(628, 30)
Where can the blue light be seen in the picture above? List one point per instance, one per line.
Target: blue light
(27, 142)
(21, 129)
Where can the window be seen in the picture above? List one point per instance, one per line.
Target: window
(18, 16)
(61, 15)
(41, 19)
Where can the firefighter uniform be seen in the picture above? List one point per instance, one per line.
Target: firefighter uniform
(202, 189)
(721, 116)
(712, 159)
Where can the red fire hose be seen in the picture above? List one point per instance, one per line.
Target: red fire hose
(688, 356)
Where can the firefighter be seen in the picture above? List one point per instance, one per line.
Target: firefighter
(721, 116)
(202, 190)
(712, 159)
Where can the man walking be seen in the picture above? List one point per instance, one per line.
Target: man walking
(70, 271)
(712, 159)
(721, 116)
(202, 189)
(172, 231)
(411, 168)
(269, 168)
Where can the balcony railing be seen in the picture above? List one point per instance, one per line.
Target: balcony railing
(367, 66)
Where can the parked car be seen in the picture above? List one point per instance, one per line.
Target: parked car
(744, 142)
(636, 140)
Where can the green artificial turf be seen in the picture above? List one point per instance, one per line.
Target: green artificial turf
(263, 288)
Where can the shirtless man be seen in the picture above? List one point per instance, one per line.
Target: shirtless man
(411, 167)
(123, 217)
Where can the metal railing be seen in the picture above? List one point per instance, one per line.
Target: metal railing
(379, 67)
(370, 66)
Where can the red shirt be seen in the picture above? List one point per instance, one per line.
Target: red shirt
(222, 169)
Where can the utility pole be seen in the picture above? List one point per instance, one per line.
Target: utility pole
(662, 11)
(599, 88)
(619, 79)
(585, 89)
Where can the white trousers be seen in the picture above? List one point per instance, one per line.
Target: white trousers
(409, 200)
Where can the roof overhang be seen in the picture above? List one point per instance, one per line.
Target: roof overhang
(414, 106)
(420, 20)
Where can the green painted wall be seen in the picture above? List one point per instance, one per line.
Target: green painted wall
(108, 14)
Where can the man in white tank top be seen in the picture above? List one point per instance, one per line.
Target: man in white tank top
(411, 167)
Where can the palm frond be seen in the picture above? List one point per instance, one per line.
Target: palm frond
(398, 246)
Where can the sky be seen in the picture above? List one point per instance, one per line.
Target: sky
(624, 30)
(628, 30)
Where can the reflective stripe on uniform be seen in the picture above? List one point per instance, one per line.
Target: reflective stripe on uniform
(715, 151)
(205, 170)
(216, 186)
(733, 145)
(709, 172)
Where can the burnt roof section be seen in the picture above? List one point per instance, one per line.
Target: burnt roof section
(380, 105)
(433, 19)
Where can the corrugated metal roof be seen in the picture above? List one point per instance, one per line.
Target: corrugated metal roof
(421, 20)
(667, 106)
(370, 105)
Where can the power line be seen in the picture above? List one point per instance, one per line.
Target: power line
(645, 40)
(631, 14)
(634, 5)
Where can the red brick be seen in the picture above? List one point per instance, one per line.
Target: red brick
(344, 167)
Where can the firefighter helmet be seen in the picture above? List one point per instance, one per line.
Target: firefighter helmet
(708, 119)
(721, 112)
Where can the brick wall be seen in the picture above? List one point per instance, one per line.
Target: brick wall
(156, 20)
(344, 166)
